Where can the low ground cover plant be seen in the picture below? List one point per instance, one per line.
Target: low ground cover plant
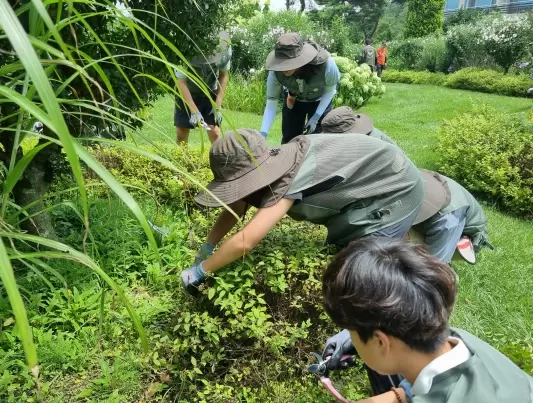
(491, 153)
(472, 79)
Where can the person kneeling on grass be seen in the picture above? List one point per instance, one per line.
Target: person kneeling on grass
(449, 212)
(327, 180)
(395, 300)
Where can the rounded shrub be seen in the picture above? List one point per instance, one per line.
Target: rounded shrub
(406, 54)
(491, 154)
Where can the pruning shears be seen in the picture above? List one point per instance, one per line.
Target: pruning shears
(321, 371)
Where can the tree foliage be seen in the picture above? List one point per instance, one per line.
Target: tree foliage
(363, 15)
(424, 17)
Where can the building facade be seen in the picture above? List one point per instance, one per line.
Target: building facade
(506, 6)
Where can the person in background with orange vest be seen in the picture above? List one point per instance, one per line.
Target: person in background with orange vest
(381, 57)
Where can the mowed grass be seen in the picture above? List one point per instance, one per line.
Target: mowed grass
(495, 298)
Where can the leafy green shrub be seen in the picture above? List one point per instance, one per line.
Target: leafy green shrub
(166, 186)
(358, 84)
(406, 54)
(492, 154)
(247, 92)
(434, 56)
(413, 77)
(471, 79)
(424, 17)
(490, 81)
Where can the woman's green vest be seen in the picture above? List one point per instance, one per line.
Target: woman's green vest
(310, 89)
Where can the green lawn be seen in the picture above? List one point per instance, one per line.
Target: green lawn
(495, 295)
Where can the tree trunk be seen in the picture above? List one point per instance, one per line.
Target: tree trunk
(33, 185)
(302, 6)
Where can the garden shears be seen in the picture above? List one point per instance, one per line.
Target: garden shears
(321, 371)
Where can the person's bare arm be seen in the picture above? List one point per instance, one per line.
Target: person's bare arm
(223, 79)
(186, 94)
(388, 397)
(245, 240)
(225, 222)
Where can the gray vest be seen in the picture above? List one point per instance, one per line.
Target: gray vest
(308, 90)
(354, 185)
(378, 134)
(209, 74)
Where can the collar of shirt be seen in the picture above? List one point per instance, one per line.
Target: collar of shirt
(456, 356)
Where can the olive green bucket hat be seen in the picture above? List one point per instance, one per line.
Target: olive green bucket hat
(436, 195)
(242, 164)
(223, 50)
(344, 120)
(290, 53)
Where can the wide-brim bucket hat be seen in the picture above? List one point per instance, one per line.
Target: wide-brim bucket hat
(220, 52)
(344, 120)
(290, 53)
(436, 195)
(242, 164)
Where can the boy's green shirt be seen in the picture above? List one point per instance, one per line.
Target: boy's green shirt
(487, 377)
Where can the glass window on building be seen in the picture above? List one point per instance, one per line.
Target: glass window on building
(452, 4)
(483, 3)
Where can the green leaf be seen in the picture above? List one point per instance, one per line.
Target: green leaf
(19, 311)
(211, 293)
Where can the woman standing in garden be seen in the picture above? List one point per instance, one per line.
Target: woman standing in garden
(194, 108)
(308, 75)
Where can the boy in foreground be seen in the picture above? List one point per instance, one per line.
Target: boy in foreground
(395, 300)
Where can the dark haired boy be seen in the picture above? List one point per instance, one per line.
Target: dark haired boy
(395, 299)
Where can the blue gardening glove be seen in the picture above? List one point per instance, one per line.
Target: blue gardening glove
(218, 116)
(407, 387)
(196, 119)
(310, 127)
(336, 347)
(264, 134)
(193, 278)
(205, 251)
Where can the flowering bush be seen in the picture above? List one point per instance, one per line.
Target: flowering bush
(358, 84)
(490, 42)
(464, 44)
(505, 38)
(253, 40)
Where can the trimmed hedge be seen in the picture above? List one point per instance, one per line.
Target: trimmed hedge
(471, 79)
(491, 153)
